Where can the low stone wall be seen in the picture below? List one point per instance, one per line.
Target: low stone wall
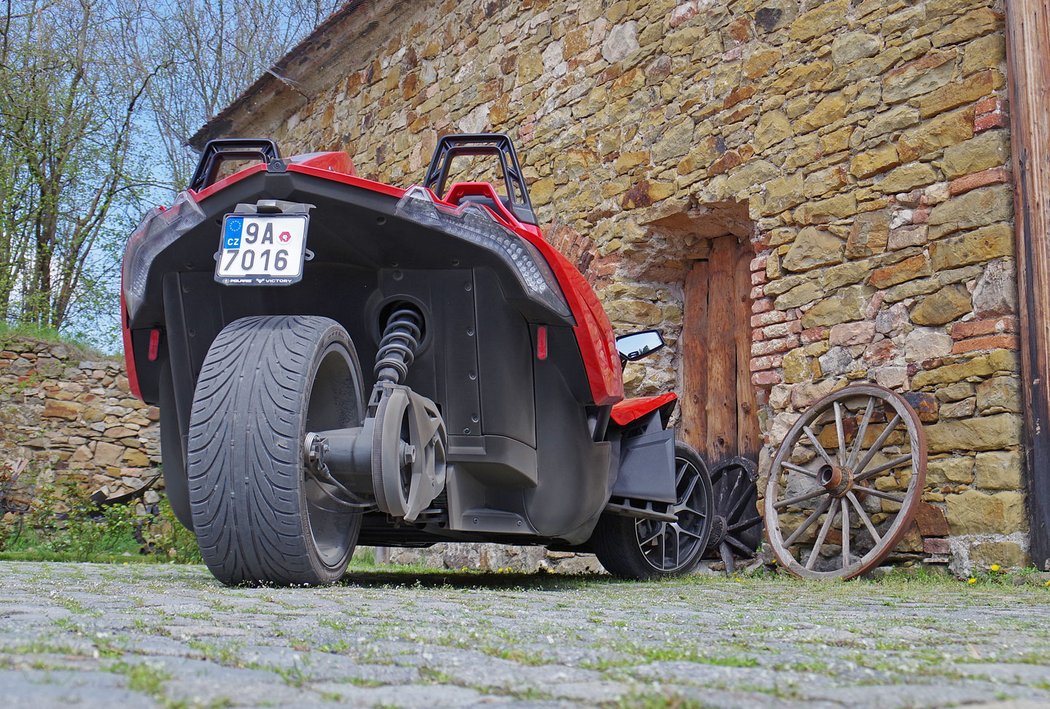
(67, 415)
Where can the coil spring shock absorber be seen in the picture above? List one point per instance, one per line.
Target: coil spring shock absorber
(406, 474)
(402, 334)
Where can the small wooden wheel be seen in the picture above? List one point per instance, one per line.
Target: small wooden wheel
(856, 464)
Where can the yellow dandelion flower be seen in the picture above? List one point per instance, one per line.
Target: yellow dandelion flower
(1047, 584)
(994, 567)
(971, 580)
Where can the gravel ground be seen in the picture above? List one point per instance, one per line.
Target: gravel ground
(158, 635)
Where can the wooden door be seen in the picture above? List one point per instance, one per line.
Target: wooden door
(719, 411)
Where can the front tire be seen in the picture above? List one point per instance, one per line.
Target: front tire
(258, 517)
(643, 549)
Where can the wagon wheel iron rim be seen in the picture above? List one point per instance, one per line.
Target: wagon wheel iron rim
(855, 464)
(672, 546)
(736, 529)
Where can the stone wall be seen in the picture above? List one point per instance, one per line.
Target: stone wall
(860, 147)
(69, 415)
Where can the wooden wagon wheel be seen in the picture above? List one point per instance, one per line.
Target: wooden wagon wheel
(736, 530)
(857, 459)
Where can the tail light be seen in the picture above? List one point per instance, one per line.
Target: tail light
(472, 223)
(157, 231)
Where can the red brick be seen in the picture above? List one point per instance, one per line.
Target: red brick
(988, 105)
(770, 318)
(935, 545)
(782, 344)
(760, 363)
(792, 327)
(758, 278)
(757, 292)
(814, 334)
(988, 121)
(976, 328)
(766, 378)
(763, 305)
(991, 176)
(759, 263)
(991, 342)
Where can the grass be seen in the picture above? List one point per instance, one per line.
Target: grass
(31, 331)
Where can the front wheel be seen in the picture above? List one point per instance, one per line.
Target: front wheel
(258, 516)
(645, 548)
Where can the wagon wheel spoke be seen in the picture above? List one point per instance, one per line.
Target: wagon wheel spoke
(845, 531)
(798, 469)
(862, 431)
(877, 446)
(821, 509)
(800, 498)
(746, 524)
(824, 529)
(839, 432)
(732, 541)
(847, 498)
(889, 465)
(816, 444)
(879, 493)
(875, 536)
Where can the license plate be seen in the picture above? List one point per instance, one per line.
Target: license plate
(262, 249)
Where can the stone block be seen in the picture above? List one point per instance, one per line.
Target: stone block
(856, 333)
(69, 410)
(932, 135)
(943, 306)
(874, 161)
(955, 470)
(999, 470)
(813, 247)
(907, 177)
(819, 21)
(978, 208)
(959, 93)
(931, 521)
(996, 291)
(802, 294)
(983, 53)
(773, 127)
(973, 512)
(848, 304)
(868, 235)
(987, 150)
(1008, 555)
(984, 433)
(797, 367)
(999, 395)
(888, 123)
(108, 454)
(851, 46)
(827, 210)
(977, 246)
(922, 344)
(917, 266)
(918, 77)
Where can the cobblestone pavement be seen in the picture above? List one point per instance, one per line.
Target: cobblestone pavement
(157, 635)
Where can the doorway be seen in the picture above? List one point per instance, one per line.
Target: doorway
(719, 407)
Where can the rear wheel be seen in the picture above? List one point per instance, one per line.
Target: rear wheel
(644, 548)
(259, 518)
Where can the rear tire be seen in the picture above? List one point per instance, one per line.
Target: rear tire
(258, 517)
(643, 549)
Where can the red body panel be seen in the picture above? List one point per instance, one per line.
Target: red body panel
(630, 410)
(129, 353)
(593, 331)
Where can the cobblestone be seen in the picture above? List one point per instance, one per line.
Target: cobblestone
(151, 635)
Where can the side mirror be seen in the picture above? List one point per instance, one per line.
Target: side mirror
(639, 344)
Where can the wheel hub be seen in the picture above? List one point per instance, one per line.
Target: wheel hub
(719, 527)
(836, 479)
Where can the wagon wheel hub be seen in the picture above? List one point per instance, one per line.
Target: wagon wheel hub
(836, 479)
